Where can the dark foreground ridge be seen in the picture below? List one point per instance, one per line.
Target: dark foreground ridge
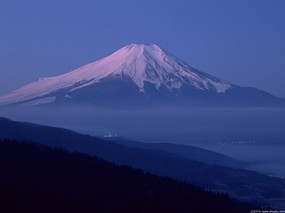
(35, 178)
(238, 183)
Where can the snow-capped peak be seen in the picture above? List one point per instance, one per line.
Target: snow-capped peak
(139, 63)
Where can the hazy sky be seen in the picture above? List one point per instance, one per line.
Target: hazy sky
(242, 41)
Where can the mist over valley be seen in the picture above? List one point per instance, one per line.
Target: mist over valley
(253, 135)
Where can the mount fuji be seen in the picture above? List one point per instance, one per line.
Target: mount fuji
(138, 75)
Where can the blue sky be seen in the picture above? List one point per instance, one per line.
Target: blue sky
(242, 41)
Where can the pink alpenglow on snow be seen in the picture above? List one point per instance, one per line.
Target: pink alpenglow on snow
(139, 62)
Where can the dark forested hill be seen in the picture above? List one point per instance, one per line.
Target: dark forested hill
(35, 178)
(190, 152)
(238, 183)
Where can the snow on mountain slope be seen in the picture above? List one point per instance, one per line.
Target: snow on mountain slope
(140, 63)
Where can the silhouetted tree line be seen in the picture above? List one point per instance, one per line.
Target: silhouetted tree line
(35, 178)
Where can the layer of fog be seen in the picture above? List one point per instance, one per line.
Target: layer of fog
(253, 135)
